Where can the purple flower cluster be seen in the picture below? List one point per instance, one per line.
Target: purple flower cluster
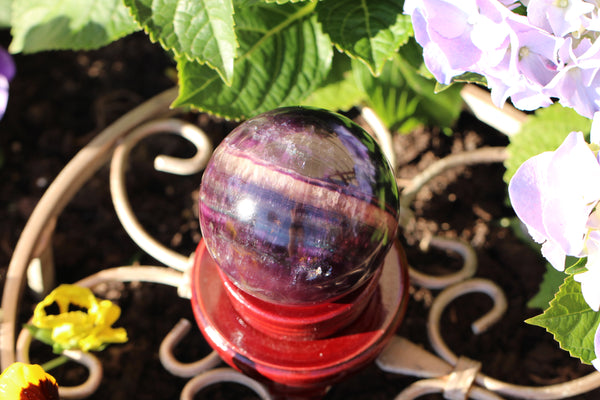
(551, 53)
(555, 195)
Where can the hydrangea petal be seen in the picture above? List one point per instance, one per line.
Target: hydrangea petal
(536, 14)
(577, 85)
(570, 18)
(569, 194)
(590, 282)
(3, 94)
(554, 199)
(443, 29)
(555, 255)
(449, 19)
(525, 191)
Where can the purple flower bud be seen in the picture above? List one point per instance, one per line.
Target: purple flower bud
(7, 72)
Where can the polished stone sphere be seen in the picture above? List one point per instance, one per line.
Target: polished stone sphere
(298, 206)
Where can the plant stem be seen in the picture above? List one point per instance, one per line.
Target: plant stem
(57, 362)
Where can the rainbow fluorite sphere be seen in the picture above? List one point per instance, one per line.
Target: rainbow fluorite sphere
(298, 206)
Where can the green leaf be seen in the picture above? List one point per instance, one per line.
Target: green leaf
(283, 1)
(39, 25)
(404, 99)
(199, 30)
(339, 90)
(283, 56)
(371, 31)
(467, 77)
(544, 131)
(244, 3)
(576, 267)
(551, 282)
(571, 321)
(5, 13)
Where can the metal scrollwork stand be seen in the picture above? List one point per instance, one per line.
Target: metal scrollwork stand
(455, 376)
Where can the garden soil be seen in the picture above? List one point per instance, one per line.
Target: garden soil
(60, 100)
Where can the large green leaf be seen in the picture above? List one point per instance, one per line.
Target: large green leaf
(544, 131)
(199, 30)
(339, 90)
(244, 3)
(39, 25)
(551, 282)
(403, 98)
(467, 77)
(283, 56)
(571, 321)
(5, 12)
(371, 31)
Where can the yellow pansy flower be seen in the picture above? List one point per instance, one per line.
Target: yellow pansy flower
(27, 382)
(86, 328)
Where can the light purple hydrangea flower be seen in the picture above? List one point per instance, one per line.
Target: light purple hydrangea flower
(552, 53)
(559, 17)
(577, 85)
(531, 63)
(7, 72)
(456, 37)
(552, 193)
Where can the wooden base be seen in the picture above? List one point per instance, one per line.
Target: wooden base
(298, 365)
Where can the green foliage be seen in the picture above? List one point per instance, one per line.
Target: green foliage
(577, 266)
(283, 1)
(200, 31)
(544, 131)
(403, 98)
(283, 56)
(39, 25)
(5, 13)
(339, 90)
(467, 77)
(370, 31)
(571, 321)
(237, 58)
(551, 282)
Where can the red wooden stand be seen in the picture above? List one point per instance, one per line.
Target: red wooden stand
(299, 351)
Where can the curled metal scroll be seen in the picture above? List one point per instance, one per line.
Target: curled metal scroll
(174, 366)
(438, 385)
(218, 375)
(163, 163)
(468, 269)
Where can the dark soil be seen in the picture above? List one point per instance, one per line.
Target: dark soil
(60, 100)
